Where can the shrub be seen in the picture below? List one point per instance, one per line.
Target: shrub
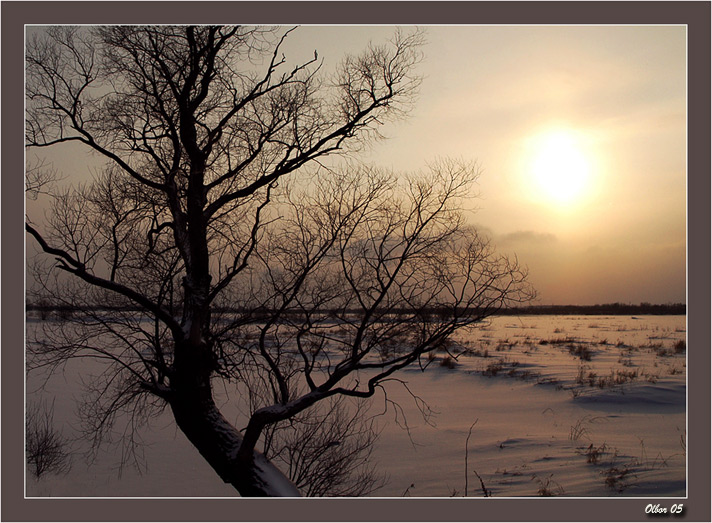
(622, 375)
(652, 378)
(593, 454)
(626, 361)
(660, 351)
(46, 450)
(447, 362)
(494, 368)
(582, 351)
(615, 477)
(580, 375)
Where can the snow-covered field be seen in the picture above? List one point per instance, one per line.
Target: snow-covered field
(584, 406)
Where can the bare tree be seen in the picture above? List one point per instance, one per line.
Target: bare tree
(39, 178)
(219, 244)
(46, 450)
(327, 449)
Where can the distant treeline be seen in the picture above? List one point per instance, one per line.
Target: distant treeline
(613, 309)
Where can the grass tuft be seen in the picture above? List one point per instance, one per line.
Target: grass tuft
(679, 347)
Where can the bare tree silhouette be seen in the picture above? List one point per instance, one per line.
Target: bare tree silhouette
(46, 449)
(218, 244)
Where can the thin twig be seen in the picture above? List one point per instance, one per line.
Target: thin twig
(466, 442)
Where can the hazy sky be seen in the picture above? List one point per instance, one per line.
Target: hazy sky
(581, 135)
(580, 132)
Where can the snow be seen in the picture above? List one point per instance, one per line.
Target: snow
(550, 419)
(278, 484)
(534, 430)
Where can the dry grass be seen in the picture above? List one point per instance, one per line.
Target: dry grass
(617, 377)
(547, 486)
(616, 477)
(578, 430)
(593, 454)
(559, 341)
(580, 350)
(494, 368)
(505, 345)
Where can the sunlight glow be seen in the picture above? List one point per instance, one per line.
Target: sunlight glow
(559, 167)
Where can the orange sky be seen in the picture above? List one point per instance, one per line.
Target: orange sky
(615, 96)
(618, 93)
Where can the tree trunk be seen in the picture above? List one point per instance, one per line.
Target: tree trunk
(218, 441)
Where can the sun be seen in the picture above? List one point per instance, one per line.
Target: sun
(558, 167)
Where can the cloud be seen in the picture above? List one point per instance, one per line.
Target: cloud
(526, 238)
